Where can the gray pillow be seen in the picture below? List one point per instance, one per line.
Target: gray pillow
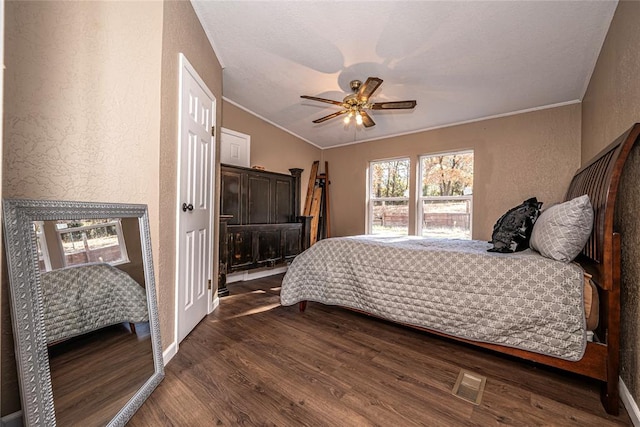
(561, 231)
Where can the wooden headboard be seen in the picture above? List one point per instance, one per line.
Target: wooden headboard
(599, 179)
(601, 256)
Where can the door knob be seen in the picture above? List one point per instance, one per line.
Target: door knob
(186, 207)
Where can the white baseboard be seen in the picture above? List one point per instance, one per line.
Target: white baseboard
(171, 351)
(252, 275)
(629, 403)
(214, 304)
(12, 420)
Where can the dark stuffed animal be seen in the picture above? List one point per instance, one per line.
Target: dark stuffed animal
(512, 231)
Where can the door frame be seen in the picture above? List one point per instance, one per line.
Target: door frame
(212, 303)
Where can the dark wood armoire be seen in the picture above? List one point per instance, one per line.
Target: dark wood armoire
(260, 222)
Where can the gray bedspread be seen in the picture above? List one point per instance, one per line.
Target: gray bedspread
(520, 300)
(85, 298)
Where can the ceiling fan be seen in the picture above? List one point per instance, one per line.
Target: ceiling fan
(357, 103)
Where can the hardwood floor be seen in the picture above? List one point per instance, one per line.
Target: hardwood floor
(94, 375)
(253, 362)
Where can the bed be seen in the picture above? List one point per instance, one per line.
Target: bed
(85, 298)
(546, 326)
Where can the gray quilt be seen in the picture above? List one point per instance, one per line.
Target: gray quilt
(85, 298)
(520, 300)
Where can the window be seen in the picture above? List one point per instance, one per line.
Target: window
(389, 197)
(446, 195)
(88, 241)
(80, 242)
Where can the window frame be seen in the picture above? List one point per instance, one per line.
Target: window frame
(420, 199)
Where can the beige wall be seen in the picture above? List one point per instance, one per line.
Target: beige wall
(515, 157)
(611, 106)
(182, 32)
(271, 147)
(81, 113)
(91, 108)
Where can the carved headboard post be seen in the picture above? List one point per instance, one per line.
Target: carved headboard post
(305, 220)
(296, 173)
(223, 258)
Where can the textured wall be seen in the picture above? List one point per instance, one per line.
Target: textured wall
(516, 157)
(81, 112)
(181, 33)
(271, 147)
(611, 105)
(627, 222)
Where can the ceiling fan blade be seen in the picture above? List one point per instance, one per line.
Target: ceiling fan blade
(395, 105)
(367, 121)
(367, 89)
(330, 116)
(328, 101)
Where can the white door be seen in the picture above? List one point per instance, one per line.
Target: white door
(235, 148)
(195, 210)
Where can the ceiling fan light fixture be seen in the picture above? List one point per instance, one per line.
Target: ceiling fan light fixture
(357, 103)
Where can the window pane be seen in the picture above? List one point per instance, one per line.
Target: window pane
(390, 217)
(390, 179)
(389, 197)
(447, 175)
(447, 218)
(447, 195)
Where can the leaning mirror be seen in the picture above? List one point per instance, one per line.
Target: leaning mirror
(83, 304)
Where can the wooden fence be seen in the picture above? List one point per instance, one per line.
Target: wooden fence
(429, 220)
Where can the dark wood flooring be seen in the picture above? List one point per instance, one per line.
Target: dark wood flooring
(94, 375)
(253, 362)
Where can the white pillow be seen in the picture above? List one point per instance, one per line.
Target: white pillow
(561, 231)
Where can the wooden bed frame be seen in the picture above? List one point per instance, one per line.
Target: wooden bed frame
(599, 178)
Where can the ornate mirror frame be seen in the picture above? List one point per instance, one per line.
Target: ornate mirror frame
(27, 302)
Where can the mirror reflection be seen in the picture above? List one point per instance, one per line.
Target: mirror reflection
(96, 315)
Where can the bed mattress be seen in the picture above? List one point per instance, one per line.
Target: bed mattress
(456, 287)
(85, 298)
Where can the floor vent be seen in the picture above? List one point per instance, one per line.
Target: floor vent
(469, 386)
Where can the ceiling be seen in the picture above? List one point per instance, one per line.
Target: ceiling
(461, 61)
